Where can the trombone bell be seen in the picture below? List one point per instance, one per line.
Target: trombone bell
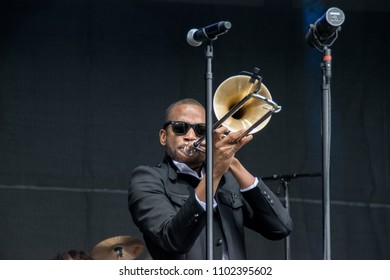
(258, 105)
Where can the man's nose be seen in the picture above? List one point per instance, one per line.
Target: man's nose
(190, 134)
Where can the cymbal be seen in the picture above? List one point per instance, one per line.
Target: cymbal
(118, 248)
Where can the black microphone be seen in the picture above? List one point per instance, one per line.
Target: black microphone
(196, 36)
(325, 27)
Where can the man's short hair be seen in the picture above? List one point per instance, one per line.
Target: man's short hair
(189, 101)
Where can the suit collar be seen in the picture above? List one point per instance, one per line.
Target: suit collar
(172, 169)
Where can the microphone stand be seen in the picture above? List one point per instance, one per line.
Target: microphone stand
(326, 132)
(326, 66)
(284, 181)
(209, 150)
(209, 34)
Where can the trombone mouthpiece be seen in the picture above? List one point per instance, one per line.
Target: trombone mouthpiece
(189, 151)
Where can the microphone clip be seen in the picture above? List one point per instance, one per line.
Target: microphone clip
(327, 43)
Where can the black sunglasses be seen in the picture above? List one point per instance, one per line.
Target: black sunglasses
(181, 128)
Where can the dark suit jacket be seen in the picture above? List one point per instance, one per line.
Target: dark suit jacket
(162, 204)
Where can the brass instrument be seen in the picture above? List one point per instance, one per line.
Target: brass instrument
(241, 102)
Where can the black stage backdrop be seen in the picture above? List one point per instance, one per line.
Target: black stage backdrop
(84, 85)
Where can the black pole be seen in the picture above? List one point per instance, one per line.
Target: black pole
(326, 137)
(287, 206)
(209, 150)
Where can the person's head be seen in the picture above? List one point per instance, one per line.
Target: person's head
(176, 133)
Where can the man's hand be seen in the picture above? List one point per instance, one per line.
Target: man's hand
(225, 148)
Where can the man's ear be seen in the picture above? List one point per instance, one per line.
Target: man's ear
(163, 137)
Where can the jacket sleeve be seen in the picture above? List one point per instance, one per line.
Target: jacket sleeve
(172, 228)
(266, 214)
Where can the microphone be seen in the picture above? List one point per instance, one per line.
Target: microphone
(325, 28)
(195, 37)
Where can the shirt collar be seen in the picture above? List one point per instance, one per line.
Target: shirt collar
(185, 169)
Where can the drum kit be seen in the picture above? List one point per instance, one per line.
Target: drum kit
(119, 248)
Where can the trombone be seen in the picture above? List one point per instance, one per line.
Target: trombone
(240, 102)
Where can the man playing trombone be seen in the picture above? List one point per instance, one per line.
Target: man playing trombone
(167, 202)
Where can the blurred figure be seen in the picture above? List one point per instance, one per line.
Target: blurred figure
(73, 255)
